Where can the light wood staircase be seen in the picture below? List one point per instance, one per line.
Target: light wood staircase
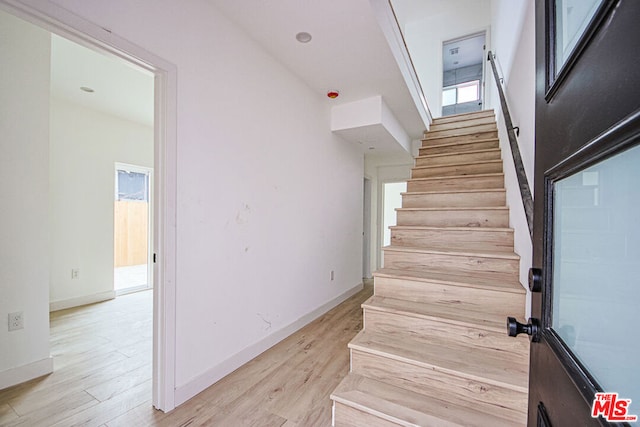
(434, 349)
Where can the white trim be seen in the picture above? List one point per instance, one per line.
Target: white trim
(198, 384)
(23, 373)
(56, 19)
(83, 300)
(389, 25)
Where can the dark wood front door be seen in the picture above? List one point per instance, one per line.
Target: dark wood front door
(587, 213)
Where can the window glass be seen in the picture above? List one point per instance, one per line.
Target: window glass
(572, 19)
(449, 96)
(596, 285)
(132, 186)
(468, 93)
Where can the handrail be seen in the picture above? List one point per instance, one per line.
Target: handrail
(525, 190)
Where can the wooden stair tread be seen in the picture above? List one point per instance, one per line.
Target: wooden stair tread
(456, 314)
(453, 144)
(428, 137)
(477, 364)
(475, 162)
(475, 281)
(407, 408)
(426, 227)
(463, 116)
(469, 191)
(459, 252)
(445, 313)
(431, 156)
(464, 208)
(480, 175)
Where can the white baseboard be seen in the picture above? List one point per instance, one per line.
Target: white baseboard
(83, 300)
(195, 386)
(27, 372)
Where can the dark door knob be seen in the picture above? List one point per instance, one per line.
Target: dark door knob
(532, 328)
(535, 279)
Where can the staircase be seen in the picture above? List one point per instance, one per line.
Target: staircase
(434, 349)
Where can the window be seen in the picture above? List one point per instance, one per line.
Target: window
(461, 93)
(132, 186)
(572, 19)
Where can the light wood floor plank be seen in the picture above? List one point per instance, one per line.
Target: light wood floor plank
(102, 376)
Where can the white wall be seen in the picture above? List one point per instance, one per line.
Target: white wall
(425, 33)
(24, 193)
(268, 200)
(84, 146)
(382, 168)
(513, 40)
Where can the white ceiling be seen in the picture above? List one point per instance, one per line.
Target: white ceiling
(120, 89)
(348, 51)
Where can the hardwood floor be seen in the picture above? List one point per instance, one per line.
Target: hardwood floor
(102, 377)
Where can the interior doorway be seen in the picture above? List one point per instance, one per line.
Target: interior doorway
(133, 221)
(463, 74)
(366, 229)
(391, 200)
(55, 20)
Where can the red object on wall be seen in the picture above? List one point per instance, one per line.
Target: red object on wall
(333, 94)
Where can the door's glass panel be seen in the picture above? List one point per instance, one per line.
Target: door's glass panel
(596, 277)
(572, 19)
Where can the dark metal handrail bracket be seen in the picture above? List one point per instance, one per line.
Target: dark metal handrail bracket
(525, 191)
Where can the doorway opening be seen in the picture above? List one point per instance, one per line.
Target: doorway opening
(463, 74)
(366, 229)
(56, 21)
(391, 200)
(133, 221)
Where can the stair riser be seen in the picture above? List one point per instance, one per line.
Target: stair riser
(466, 183)
(515, 350)
(455, 218)
(346, 416)
(459, 138)
(459, 148)
(454, 239)
(457, 170)
(436, 127)
(463, 118)
(487, 127)
(455, 200)
(458, 158)
(497, 304)
(498, 268)
(483, 396)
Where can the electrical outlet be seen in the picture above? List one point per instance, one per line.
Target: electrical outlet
(16, 321)
(75, 273)
(333, 275)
